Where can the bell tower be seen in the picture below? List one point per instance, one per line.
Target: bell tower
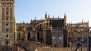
(7, 22)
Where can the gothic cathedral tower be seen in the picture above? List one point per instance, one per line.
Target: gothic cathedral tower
(7, 21)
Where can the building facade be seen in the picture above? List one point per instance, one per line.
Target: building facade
(48, 30)
(77, 33)
(7, 25)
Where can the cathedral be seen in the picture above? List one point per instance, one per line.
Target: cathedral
(48, 30)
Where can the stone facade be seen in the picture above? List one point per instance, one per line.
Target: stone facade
(7, 25)
(28, 36)
(49, 30)
(22, 31)
(78, 32)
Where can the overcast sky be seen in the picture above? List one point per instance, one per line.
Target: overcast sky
(76, 10)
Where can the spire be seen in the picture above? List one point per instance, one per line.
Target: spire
(71, 23)
(65, 19)
(82, 20)
(88, 23)
(46, 15)
(65, 14)
(53, 16)
(30, 21)
(20, 22)
(35, 17)
(23, 22)
(27, 22)
(58, 16)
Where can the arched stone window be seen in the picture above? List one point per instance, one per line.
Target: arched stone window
(28, 36)
(18, 35)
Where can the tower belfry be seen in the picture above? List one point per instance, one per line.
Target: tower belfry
(7, 24)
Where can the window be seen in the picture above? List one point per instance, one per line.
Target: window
(6, 30)
(7, 41)
(7, 12)
(6, 35)
(6, 18)
(6, 24)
